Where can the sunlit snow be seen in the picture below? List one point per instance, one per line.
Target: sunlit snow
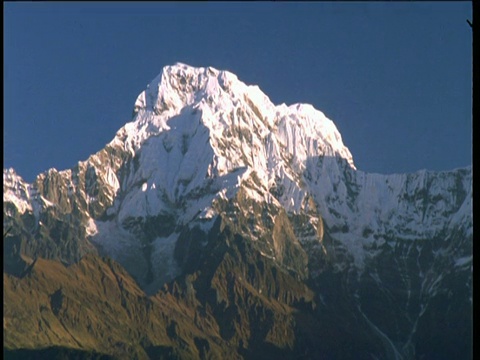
(200, 134)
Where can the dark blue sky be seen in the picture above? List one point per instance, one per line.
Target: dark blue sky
(394, 77)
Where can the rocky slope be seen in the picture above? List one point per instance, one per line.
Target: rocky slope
(248, 217)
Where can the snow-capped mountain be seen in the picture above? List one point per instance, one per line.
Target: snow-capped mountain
(204, 148)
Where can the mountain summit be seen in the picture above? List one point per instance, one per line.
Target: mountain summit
(246, 213)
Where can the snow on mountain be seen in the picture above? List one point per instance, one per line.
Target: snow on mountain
(16, 191)
(241, 202)
(200, 135)
(367, 210)
(195, 125)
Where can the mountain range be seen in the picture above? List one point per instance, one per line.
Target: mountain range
(217, 225)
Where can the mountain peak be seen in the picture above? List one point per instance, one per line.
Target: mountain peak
(229, 108)
(181, 85)
(232, 207)
(201, 136)
(193, 126)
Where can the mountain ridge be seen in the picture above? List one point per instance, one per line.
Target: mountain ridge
(210, 163)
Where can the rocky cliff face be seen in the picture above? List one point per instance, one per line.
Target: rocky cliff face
(253, 220)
